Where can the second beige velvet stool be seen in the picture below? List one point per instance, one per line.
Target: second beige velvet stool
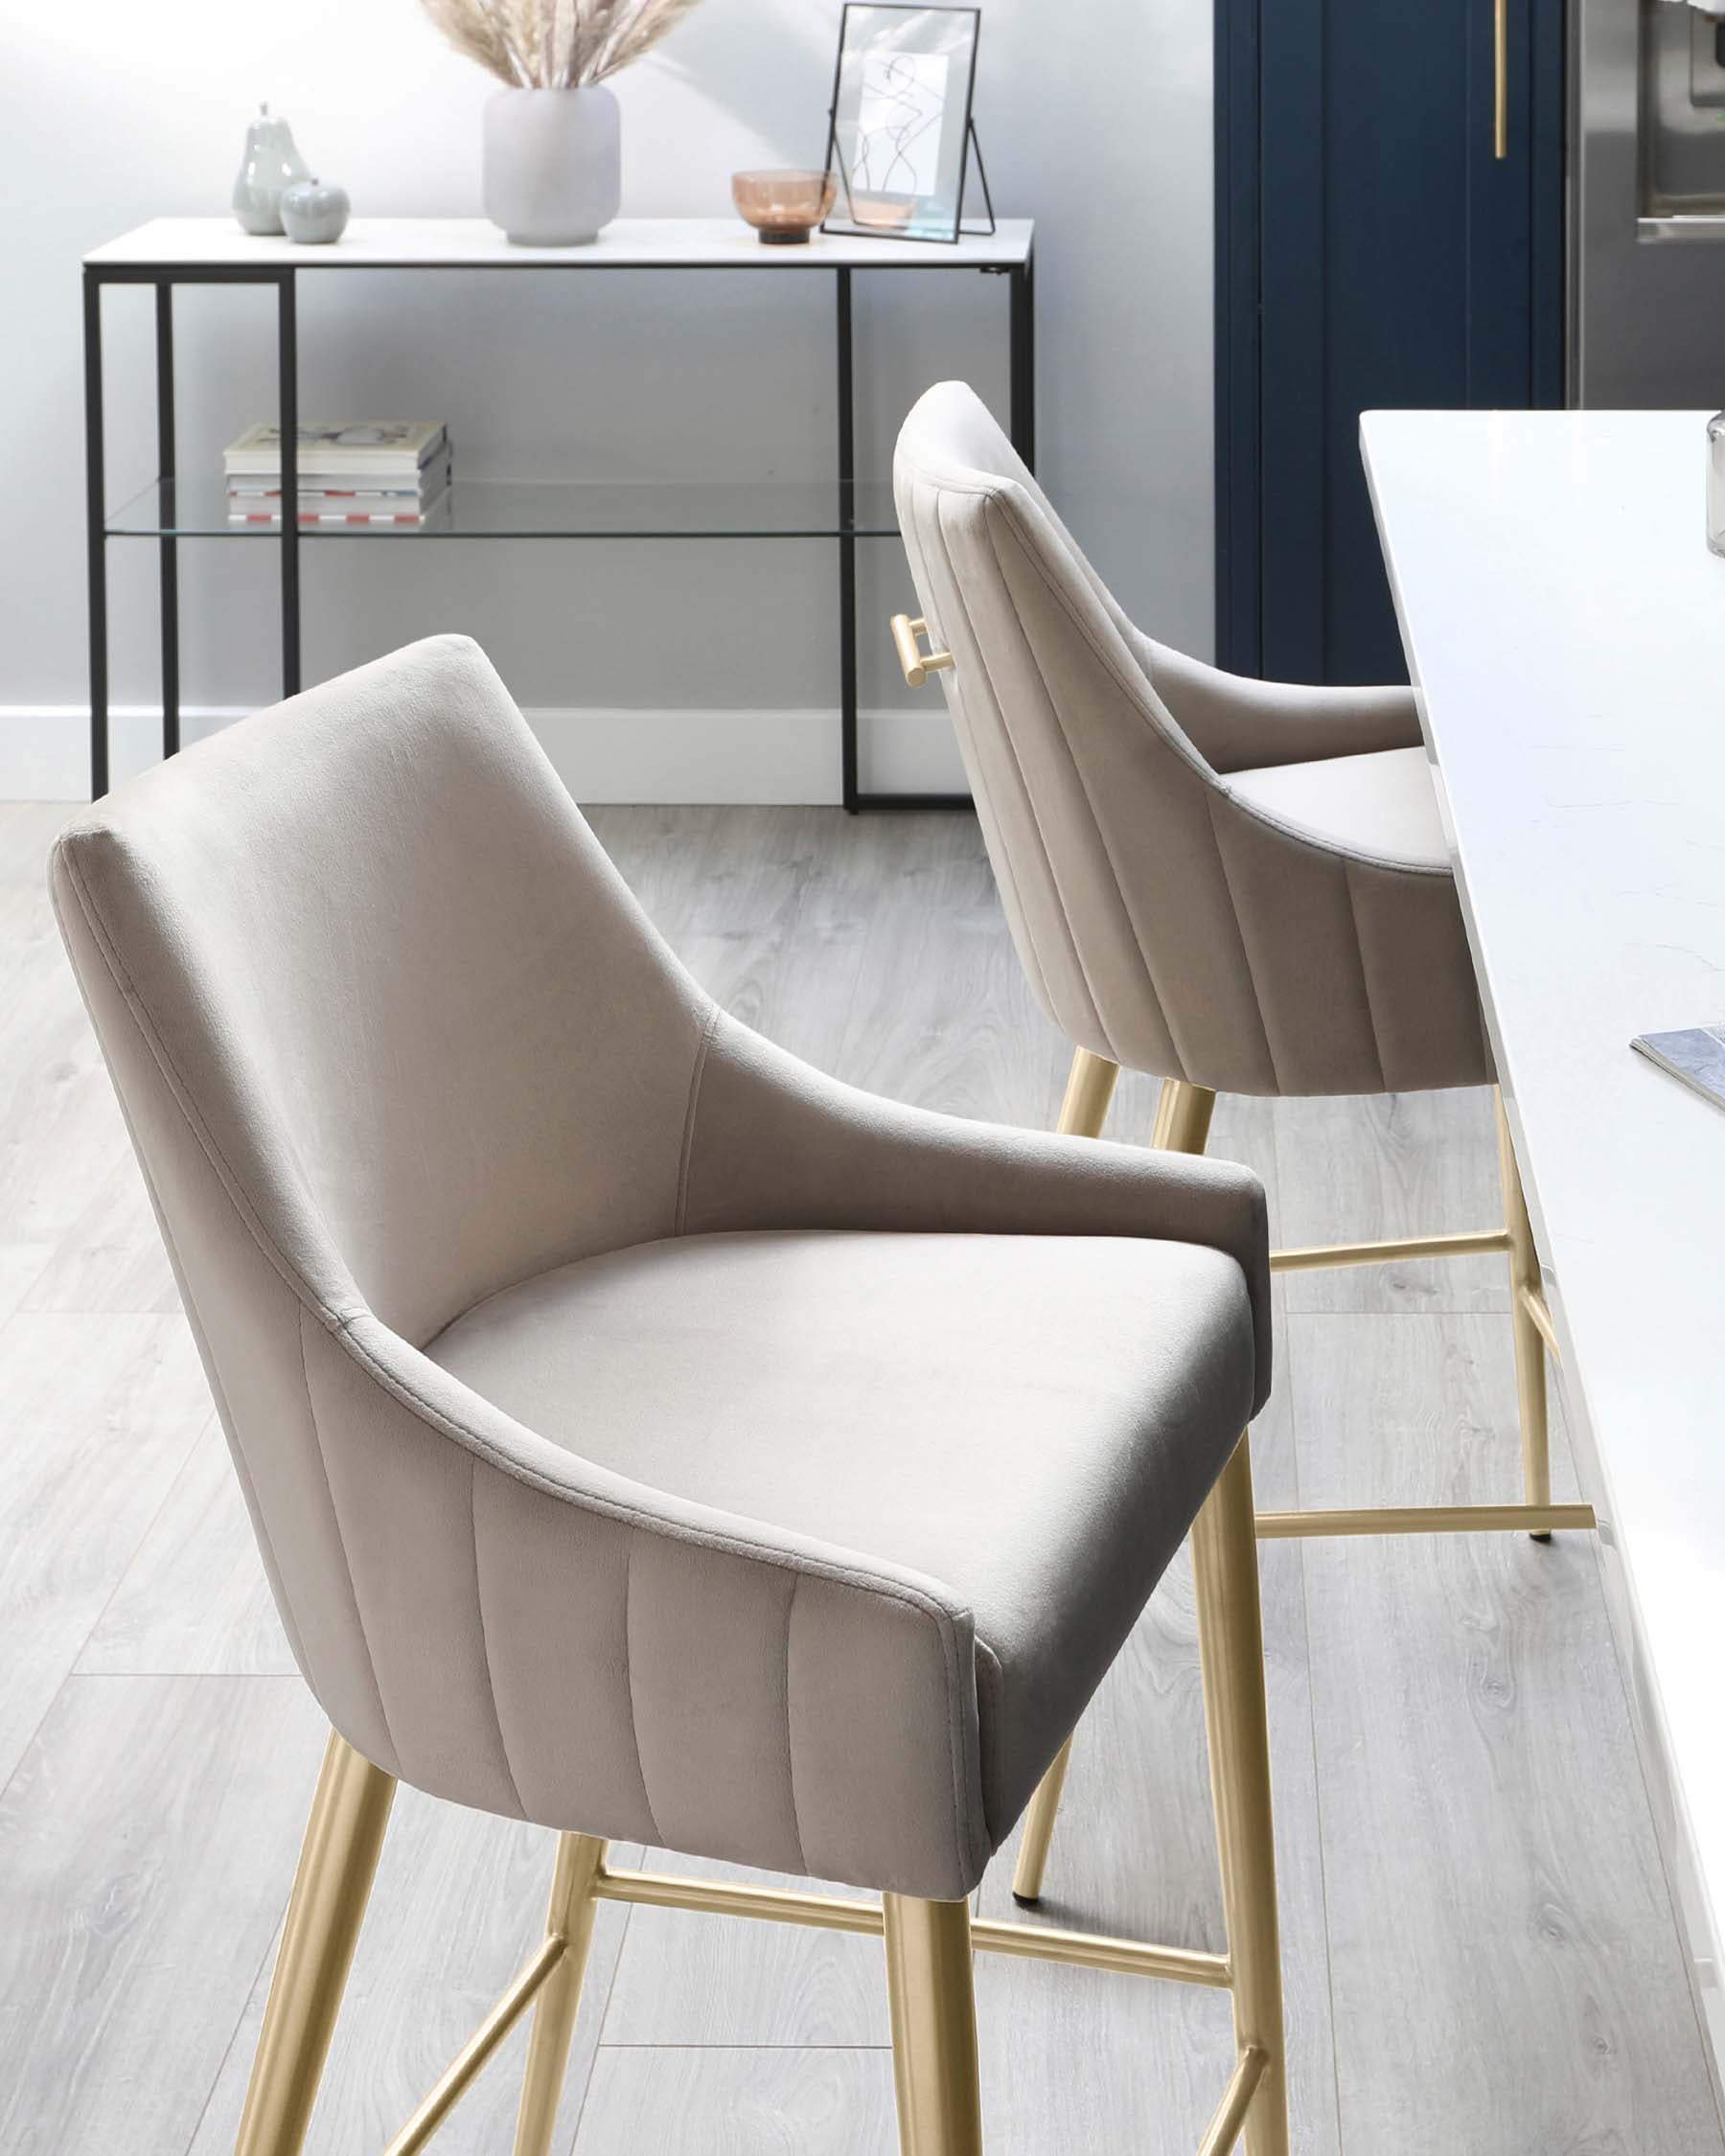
(1234, 886)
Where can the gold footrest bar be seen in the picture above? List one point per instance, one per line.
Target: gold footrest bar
(1225, 2129)
(1540, 1311)
(1427, 1519)
(1093, 1950)
(478, 2047)
(773, 1905)
(1475, 1243)
(776, 1905)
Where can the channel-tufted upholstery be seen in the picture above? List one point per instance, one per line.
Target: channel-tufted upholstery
(644, 1435)
(1177, 908)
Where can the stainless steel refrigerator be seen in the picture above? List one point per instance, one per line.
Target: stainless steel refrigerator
(1647, 203)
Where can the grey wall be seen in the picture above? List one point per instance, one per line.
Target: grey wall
(1095, 119)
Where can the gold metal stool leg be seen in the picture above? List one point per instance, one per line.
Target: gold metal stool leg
(1089, 1088)
(934, 2026)
(1040, 1815)
(570, 1919)
(1183, 1117)
(1182, 1120)
(1230, 1643)
(1525, 1289)
(338, 1860)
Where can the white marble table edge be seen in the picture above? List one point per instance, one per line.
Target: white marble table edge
(1679, 1841)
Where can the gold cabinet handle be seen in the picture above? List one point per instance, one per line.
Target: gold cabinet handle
(917, 664)
(1500, 104)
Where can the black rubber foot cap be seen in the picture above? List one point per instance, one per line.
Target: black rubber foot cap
(1025, 1901)
(1546, 1537)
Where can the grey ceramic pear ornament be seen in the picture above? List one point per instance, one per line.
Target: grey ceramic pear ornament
(271, 164)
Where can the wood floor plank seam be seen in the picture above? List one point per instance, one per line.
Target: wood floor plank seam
(9, 1329)
(265, 1960)
(120, 1579)
(604, 2015)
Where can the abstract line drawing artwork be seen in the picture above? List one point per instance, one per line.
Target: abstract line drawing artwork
(899, 118)
(898, 134)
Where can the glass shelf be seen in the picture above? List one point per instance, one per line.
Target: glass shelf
(532, 509)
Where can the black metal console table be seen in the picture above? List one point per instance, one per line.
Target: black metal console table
(171, 251)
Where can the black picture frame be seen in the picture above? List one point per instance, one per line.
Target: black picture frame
(909, 224)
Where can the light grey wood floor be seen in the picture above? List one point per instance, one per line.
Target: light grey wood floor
(1480, 1947)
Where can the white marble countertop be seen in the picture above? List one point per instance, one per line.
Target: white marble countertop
(1565, 625)
(473, 243)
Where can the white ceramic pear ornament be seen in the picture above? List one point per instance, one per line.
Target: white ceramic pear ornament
(270, 166)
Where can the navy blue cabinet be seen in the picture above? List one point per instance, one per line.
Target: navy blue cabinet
(1389, 233)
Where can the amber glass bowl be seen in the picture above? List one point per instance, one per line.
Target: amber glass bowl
(783, 207)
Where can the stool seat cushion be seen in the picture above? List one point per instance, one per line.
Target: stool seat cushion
(1031, 1421)
(1382, 805)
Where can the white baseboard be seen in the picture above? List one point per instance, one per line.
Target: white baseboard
(601, 755)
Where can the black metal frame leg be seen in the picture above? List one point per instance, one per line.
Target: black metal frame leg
(847, 550)
(1021, 428)
(96, 535)
(287, 415)
(167, 551)
(1023, 410)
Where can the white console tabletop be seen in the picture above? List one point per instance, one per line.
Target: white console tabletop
(1565, 625)
(473, 243)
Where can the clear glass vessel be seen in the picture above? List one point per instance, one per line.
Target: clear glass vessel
(1715, 482)
(783, 207)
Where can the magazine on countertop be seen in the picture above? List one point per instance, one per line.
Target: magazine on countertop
(352, 447)
(1694, 1057)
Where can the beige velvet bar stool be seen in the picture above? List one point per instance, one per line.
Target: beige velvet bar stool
(1235, 886)
(645, 1436)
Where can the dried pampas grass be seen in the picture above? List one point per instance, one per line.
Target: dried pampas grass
(555, 44)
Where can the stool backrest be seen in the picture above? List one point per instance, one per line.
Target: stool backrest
(389, 1034)
(1095, 807)
(377, 961)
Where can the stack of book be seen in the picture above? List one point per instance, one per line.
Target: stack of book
(389, 472)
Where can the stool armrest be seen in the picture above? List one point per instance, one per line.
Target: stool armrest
(1239, 725)
(773, 1144)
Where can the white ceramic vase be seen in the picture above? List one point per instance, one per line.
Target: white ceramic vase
(552, 164)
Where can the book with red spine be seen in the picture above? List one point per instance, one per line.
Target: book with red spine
(256, 501)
